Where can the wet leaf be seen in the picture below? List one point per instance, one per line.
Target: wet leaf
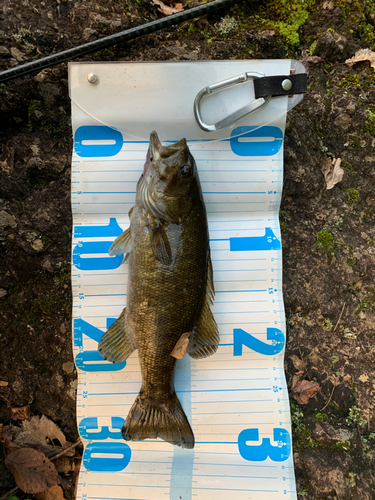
(43, 435)
(54, 493)
(167, 11)
(3, 383)
(9, 431)
(21, 413)
(332, 171)
(303, 390)
(63, 465)
(32, 470)
(362, 55)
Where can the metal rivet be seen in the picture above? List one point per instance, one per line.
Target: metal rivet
(286, 84)
(92, 77)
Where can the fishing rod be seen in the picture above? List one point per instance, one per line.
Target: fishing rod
(108, 41)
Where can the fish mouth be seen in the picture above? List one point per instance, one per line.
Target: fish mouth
(155, 146)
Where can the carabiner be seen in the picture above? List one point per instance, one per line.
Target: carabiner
(236, 115)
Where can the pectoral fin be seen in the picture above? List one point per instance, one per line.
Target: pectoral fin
(179, 349)
(205, 338)
(116, 344)
(122, 244)
(160, 244)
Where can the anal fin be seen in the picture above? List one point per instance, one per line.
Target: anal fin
(116, 344)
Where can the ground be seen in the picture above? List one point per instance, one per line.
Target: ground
(328, 235)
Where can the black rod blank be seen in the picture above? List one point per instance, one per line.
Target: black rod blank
(108, 41)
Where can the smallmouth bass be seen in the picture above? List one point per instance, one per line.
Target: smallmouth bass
(170, 291)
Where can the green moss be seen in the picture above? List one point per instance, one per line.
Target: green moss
(371, 242)
(350, 80)
(321, 416)
(312, 47)
(325, 241)
(370, 123)
(368, 301)
(288, 18)
(347, 165)
(353, 196)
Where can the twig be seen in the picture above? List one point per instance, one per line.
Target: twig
(329, 400)
(14, 490)
(65, 450)
(10, 493)
(338, 321)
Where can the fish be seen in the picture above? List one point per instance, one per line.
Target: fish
(170, 291)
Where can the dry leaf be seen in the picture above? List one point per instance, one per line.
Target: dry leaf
(297, 362)
(303, 390)
(179, 349)
(9, 431)
(21, 413)
(43, 435)
(54, 493)
(335, 380)
(167, 11)
(363, 378)
(332, 171)
(32, 470)
(311, 61)
(63, 465)
(3, 383)
(362, 55)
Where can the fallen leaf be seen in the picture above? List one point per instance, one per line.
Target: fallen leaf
(332, 171)
(63, 465)
(297, 362)
(362, 55)
(21, 413)
(309, 61)
(167, 11)
(303, 390)
(3, 383)
(363, 378)
(179, 349)
(43, 435)
(32, 470)
(9, 431)
(335, 380)
(53, 493)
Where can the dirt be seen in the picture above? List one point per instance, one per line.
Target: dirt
(328, 236)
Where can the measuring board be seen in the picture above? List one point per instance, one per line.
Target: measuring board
(237, 399)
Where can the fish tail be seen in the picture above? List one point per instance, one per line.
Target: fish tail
(149, 419)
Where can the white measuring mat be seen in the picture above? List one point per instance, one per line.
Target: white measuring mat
(237, 399)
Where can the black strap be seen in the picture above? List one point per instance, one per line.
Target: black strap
(280, 85)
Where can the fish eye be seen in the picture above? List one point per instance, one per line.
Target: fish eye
(185, 170)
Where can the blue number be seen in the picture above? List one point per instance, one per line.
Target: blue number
(241, 338)
(241, 147)
(259, 453)
(112, 229)
(254, 243)
(103, 462)
(95, 263)
(84, 361)
(97, 134)
(91, 423)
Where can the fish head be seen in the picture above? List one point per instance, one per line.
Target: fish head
(170, 175)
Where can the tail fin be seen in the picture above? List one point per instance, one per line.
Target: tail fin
(150, 419)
